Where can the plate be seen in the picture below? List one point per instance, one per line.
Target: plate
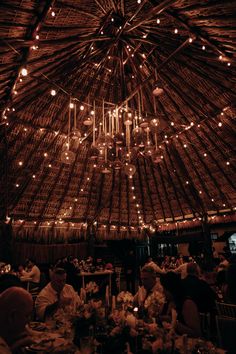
(42, 346)
(37, 326)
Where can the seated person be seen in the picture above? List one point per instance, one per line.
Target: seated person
(15, 307)
(198, 290)
(188, 318)
(150, 283)
(32, 274)
(56, 295)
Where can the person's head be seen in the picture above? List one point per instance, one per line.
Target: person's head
(16, 306)
(148, 277)
(109, 266)
(30, 263)
(172, 286)
(8, 280)
(193, 269)
(58, 279)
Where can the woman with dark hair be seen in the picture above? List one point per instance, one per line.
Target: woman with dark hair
(188, 318)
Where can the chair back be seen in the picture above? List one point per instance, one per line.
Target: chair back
(226, 326)
(226, 310)
(205, 319)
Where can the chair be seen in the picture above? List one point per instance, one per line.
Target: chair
(118, 275)
(226, 310)
(226, 326)
(205, 318)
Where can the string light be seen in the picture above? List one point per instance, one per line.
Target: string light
(158, 21)
(53, 92)
(24, 72)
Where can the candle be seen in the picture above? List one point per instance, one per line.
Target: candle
(107, 296)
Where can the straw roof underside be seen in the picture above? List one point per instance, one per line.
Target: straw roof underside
(83, 51)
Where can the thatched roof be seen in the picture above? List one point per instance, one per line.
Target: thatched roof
(111, 54)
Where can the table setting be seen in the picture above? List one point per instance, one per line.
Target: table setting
(111, 326)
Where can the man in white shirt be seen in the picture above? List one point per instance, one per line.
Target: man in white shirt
(33, 274)
(56, 295)
(16, 306)
(150, 284)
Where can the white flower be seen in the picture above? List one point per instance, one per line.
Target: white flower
(125, 296)
(156, 299)
(91, 287)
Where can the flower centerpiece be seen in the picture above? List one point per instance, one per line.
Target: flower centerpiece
(125, 297)
(154, 303)
(92, 290)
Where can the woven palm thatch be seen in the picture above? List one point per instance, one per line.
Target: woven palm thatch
(108, 55)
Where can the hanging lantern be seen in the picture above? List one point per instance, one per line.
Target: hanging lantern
(117, 164)
(144, 123)
(75, 134)
(154, 123)
(156, 157)
(149, 150)
(104, 141)
(158, 90)
(119, 139)
(94, 152)
(88, 121)
(128, 119)
(129, 169)
(105, 168)
(67, 156)
(137, 131)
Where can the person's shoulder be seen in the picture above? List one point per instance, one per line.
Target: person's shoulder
(69, 288)
(4, 349)
(48, 288)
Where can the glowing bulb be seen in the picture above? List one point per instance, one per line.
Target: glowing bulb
(81, 108)
(190, 40)
(158, 21)
(24, 72)
(53, 14)
(71, 105)
(53, 92)
(37, 37)
(176, 31)
(203, 47)
(220, 124)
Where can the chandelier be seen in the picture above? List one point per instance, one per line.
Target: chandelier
(120, 135)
